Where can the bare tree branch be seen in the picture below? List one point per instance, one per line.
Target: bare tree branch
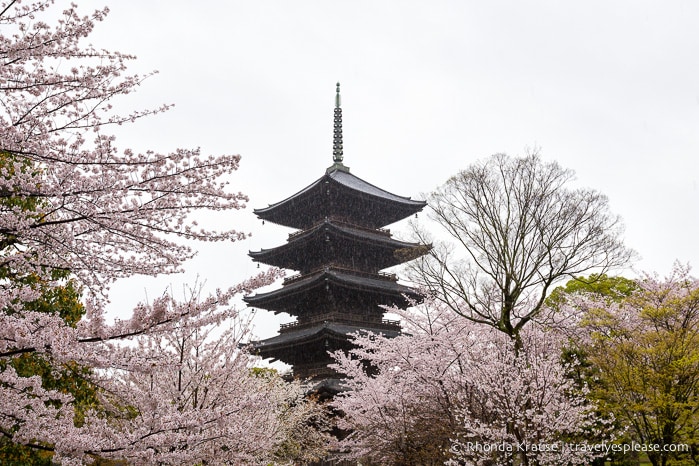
(516, 229)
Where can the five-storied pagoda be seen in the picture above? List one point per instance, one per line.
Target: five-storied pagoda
(339, 253)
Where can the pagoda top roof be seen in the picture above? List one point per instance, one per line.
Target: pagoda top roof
(294, 210)
(340, 193)
(358, 184)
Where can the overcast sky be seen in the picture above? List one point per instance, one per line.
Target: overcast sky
(608, 89)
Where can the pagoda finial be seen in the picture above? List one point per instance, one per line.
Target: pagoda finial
(337, 131)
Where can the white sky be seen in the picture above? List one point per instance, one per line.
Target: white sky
(608, 89)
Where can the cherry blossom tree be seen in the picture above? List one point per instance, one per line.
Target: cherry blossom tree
(206, 405)
(644, 350)
(76, 206)
(143, 415)
(100, 211)
(401, 393)
(70, 378)
(452, 390)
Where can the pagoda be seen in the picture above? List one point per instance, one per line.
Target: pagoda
(339, 250)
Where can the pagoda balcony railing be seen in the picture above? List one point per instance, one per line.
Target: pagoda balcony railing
(333, 266)
(341, 318)
(317, 371)
(341, 221)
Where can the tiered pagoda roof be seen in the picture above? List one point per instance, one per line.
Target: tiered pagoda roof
(303, 293)
(307, 345)
(341, 195)
(339, 254)
(331, 240)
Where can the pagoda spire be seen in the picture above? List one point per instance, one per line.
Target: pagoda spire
(337, 130)
(337, 136)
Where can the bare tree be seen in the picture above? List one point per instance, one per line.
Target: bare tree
(517, 229)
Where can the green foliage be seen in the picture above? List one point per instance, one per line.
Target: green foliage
(606, 289)
(10, 194)
(585, 373)
(62, 299)
(13, 197)
(644, 362)
(264, 372)
(14, 454)
(69, 378)
(603, 286)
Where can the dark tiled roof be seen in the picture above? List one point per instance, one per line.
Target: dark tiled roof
(311, 333)
(309, 205)
(377, 244)
(278, 300)
(358, 184)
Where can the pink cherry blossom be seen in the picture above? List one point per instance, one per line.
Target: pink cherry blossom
(459, 390)
(176, 387)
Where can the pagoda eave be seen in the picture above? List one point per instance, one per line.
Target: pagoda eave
(331, 284)
(376, 206)
(305, 338)
(328, 241)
